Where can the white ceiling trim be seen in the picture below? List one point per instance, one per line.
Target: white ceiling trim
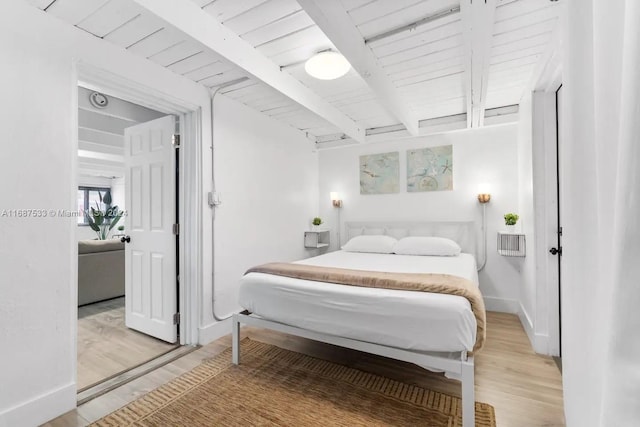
(106, 157)
(187, 17)
(336, 24)
(495, 117)
(477, 21)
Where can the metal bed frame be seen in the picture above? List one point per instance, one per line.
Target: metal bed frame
(461, 367)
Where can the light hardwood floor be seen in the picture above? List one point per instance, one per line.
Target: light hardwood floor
(107, 347)
(525, 388)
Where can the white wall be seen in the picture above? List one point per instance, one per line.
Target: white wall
(527, 293)
(484, 155)
(267, 177)
(599, 214)
(85, 233)
(35, 255)
(118, 196)
(38, 257)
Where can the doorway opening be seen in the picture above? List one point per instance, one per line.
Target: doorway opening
(108, 344)
(131, 198)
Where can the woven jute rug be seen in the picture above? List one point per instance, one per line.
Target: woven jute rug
(276, 387)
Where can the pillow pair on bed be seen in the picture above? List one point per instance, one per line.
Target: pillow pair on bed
(413, 245)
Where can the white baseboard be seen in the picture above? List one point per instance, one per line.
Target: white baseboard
(539, 342)
(212, 332)
(502, 305)
(40, 409)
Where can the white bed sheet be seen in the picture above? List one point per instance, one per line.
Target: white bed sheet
(419, 321)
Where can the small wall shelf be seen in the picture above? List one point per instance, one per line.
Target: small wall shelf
(317, 239)
(512, 244)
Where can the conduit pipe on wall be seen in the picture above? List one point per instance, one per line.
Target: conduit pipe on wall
(214, 201)
(484, 237)
(213, 204)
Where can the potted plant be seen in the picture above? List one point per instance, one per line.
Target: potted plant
(103, 221)
(120, 232)
(317, 222)
(510, 220)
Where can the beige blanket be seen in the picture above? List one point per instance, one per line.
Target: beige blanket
(425, 282)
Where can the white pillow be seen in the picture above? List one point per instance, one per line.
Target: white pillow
(421, 245)
(371, 244)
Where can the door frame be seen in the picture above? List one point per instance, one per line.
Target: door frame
(190, 119)
(546, 205)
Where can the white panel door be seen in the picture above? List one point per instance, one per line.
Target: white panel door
(150, 253)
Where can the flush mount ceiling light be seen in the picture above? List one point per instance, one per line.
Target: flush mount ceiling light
(327, 65)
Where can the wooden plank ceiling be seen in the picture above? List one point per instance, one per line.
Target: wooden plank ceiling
(421, 53)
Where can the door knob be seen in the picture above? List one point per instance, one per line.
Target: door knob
(126, 239)
(555, 251)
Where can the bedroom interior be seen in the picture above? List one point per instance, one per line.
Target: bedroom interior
(415, 301)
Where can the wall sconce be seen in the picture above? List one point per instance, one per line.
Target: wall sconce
(484, 193)
(337, 203)
(335, 199)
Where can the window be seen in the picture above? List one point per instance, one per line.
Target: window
(89, 197)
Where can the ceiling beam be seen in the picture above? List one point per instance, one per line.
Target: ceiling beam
(336, 24)
(89, 119)
(477, 20)
(414, 25)
(187, 17)
(95, 157)
(100, 171)
(99, 148)
(103, 138)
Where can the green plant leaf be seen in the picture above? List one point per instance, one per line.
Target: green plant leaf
(106, 199)
(98, 216)
(91, 222)
(511, 218)
(115, 220)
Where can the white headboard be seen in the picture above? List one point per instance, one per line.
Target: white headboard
(462, 232)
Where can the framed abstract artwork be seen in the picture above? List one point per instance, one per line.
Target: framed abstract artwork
(380, 173)
(430, 169)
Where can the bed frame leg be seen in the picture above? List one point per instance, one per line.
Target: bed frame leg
(235, 339)
(468, 394)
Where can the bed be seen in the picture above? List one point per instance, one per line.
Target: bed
(434, 331)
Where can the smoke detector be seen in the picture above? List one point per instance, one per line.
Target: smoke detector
(98, 100)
